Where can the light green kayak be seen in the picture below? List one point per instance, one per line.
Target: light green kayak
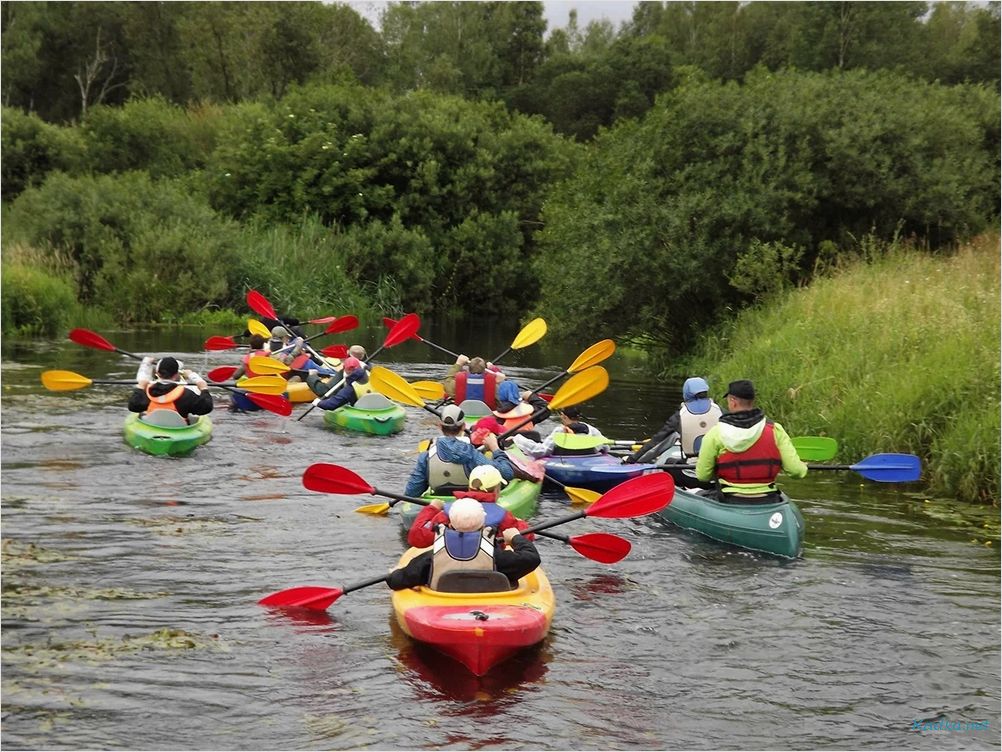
(174, 440)
(373, 413)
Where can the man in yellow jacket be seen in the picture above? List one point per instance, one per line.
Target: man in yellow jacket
(745, 451)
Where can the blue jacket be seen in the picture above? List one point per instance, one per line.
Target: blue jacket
(451, 449)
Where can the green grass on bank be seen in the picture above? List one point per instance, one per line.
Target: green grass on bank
(897, 354)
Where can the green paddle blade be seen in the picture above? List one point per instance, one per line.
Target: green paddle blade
(815, 448)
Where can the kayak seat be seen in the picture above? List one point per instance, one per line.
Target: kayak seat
(165, 419)
(474, 581)
(373, 401)
(474, 408)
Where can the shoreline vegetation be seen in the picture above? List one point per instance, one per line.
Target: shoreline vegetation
(754, 203)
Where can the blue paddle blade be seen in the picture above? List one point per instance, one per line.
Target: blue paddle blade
(890, 468)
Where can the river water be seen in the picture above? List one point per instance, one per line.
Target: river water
(130, 586)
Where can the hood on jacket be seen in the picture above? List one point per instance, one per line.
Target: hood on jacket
(739, 430)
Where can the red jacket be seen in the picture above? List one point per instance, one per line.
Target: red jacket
(422, 532)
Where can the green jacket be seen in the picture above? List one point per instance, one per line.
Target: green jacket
(736, 432)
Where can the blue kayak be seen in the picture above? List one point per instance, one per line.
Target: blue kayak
(597, 472)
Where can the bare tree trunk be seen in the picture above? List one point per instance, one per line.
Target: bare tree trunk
(846, 16)
(89, 76)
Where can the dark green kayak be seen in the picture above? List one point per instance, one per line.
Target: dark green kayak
(166, 440)
(772, 528)
(373, 413)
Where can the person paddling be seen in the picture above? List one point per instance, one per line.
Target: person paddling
(694, 418)
(356, 384)
(466, 544)
(167, 391)
(570, 422)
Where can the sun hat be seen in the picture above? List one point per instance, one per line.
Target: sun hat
(486, 478)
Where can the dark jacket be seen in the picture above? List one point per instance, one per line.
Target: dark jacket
(346, 395)
(187, 404)
(645, 453)
(517, 563)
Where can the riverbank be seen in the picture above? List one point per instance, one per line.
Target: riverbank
(898, 351)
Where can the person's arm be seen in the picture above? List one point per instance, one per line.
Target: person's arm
(792, 464)
(532, 448)
(518, 562)
(670, 426)
(498, 458)
(145, 374)
(422, 532)
(416, 572)
(341, 397)
(417, 484)
(511, 520)
(709, 450)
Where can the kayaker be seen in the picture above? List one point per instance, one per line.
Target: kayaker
(473, 379)
(570, 422)
(450, 458)
(357, 351)
(746, 451)
(257, 349)
(485, 487)
(356, 383)
(694, 418)
(465, 544)
(515, 405)
(282, 347)
(168, 391)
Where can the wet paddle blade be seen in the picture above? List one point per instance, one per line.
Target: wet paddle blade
(64, 381)
(582, 495)
(403, 330)
(260, 305)
(335, 351)
(390, 323)
(581, 387)
(316, 598)
(381, 509)
(87, 338)
(429, 390)
(815, 448)
(890, 468)
(593, 356)
(223, 373)
(263, 365)
(220, 343)
(256, 327)
(636, 497)
(272, 403)
(386, 382)
(334, 479)
(264, 384)
(530, 334)
(604, 548)
(342, 324)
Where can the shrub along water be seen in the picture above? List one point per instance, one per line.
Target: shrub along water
(896, 353)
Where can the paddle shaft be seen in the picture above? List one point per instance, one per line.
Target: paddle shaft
(538, 415)
(364, 584)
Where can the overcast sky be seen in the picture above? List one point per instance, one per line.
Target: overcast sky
(556, 13)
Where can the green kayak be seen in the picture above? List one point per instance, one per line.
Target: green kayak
(772, 528)
(373, 413)
(149, 434)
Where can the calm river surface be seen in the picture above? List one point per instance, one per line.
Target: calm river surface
(130, 586)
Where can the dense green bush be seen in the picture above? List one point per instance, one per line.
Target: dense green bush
(33, 148)
(144, 250)
(34, 302)
(714, 171)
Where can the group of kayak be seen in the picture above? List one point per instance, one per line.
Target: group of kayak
(475, 619)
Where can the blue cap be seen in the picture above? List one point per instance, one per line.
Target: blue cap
(690, 389)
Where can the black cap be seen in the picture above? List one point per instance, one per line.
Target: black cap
(167, 367)
(578, 428)
(743, 389)
(572, 412)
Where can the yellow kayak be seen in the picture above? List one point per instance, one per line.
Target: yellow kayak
(478, 629)
(299, 391)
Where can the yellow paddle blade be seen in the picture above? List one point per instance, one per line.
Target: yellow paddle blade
(424, 445)
(593, 356)
(581, 387)
(264, 365)
(64, 381)
(429, 390)
(264, 385)
(530, 334)
(384, 381)
(256, 327)
(582, 495)
(381, 509)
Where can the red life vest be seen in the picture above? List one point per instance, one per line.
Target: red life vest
(478, 386)
(759, 463)
(164, 401)
(248, 371)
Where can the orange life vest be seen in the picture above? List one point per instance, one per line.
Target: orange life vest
(248, 371)
(164, 401)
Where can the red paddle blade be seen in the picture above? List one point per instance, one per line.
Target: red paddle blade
(334, 479)
(390, 323)
(546, 396)
(601, 547)
(260, 305)
(274, 403)
(87, 338)
(635, 498)
(220, 343)
(403, 330)
(323, 320)
(223, 373)
(335, 351)
(309, 596)
(342, 324)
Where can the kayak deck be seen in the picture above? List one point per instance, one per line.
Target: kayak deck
(166, 441)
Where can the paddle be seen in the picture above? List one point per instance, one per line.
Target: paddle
(578, 388)
(67, 381)
(340, 324)
(634, 498)
(223, 373)
(256, 327)
(592, 356)
(263, 307)
(400, 332)
(885, 468)
(530, 334)
(87, 338)
(394, 386)
(815, 448)
(389, 323)
(335, 479)
(429, 390)
(335, 351)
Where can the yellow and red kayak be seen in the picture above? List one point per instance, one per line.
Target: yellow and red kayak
(479, 630)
